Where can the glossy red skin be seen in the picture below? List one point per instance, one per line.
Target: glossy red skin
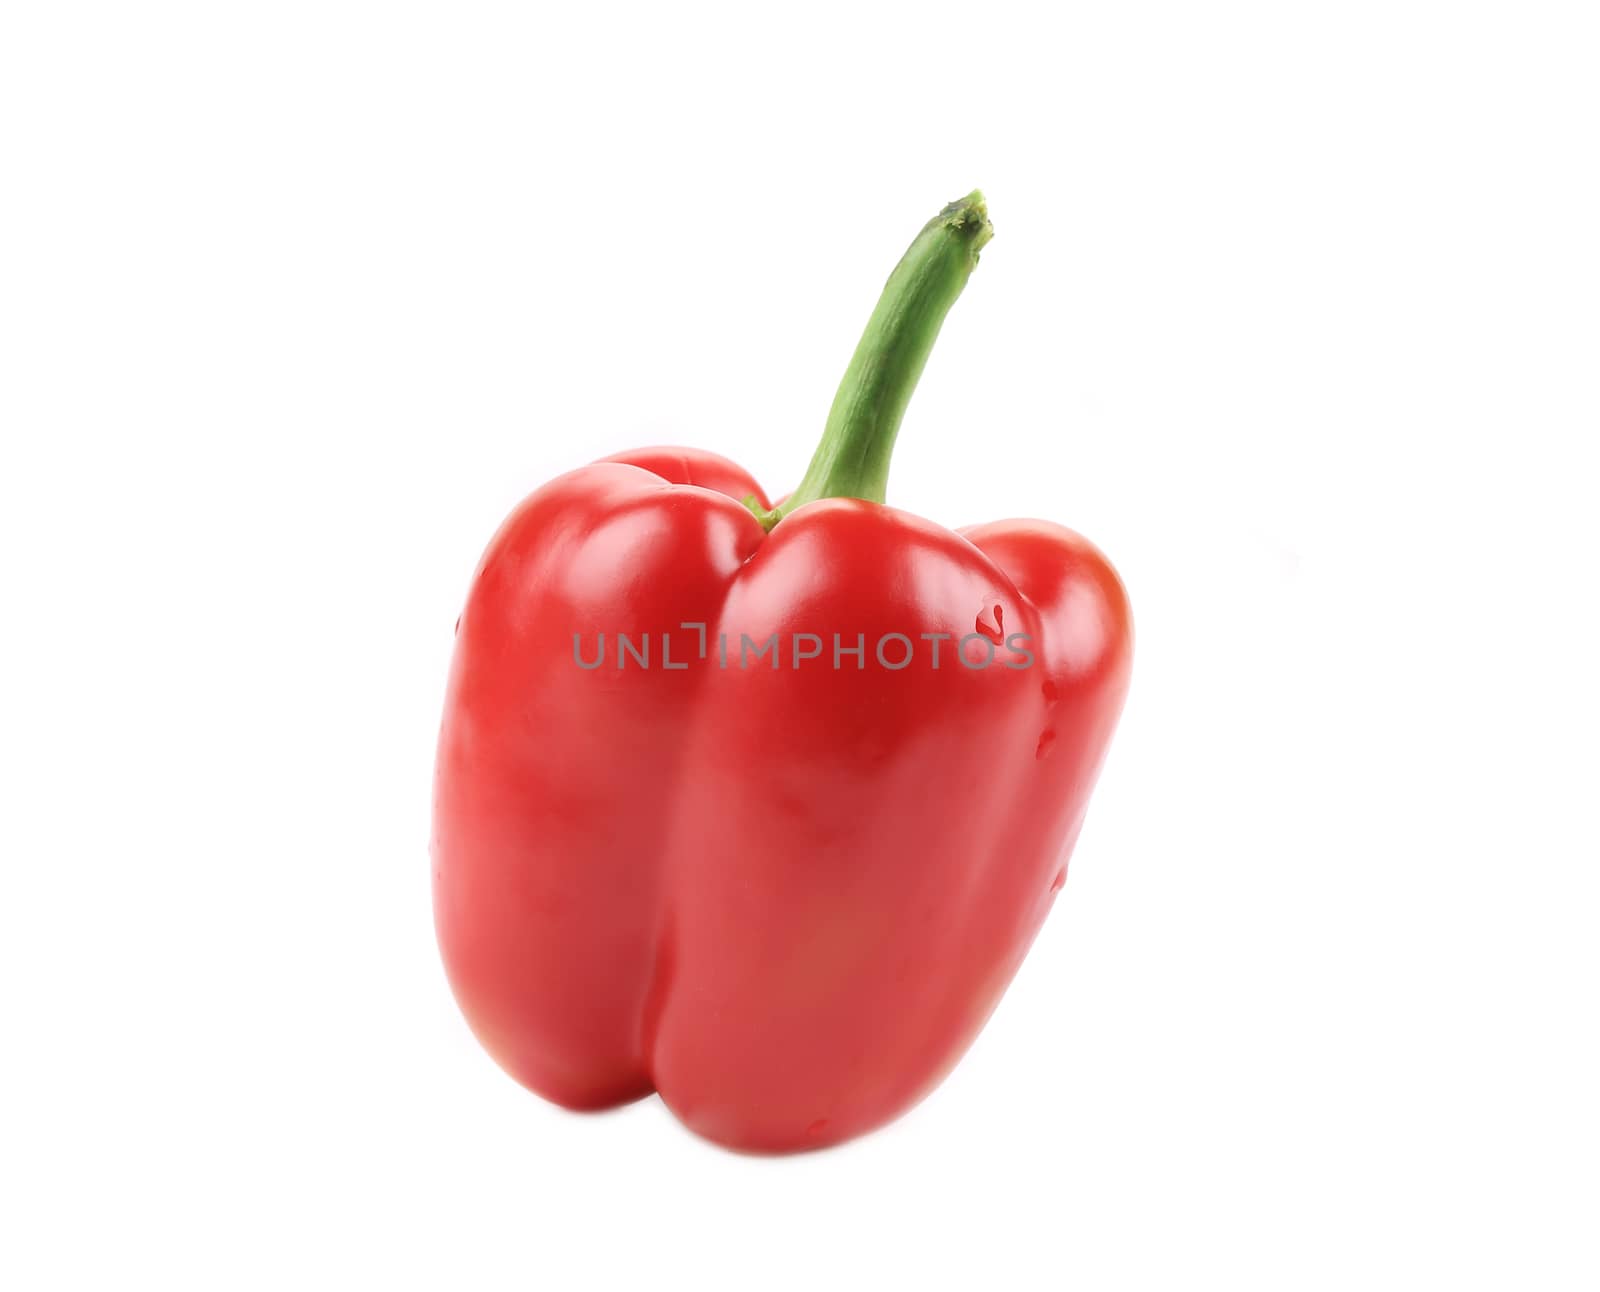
(788, 900)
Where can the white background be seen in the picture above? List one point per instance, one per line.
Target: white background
(1291, 308)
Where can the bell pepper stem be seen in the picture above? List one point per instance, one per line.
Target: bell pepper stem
(852, 461)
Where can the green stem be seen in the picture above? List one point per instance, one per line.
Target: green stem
(853, 459)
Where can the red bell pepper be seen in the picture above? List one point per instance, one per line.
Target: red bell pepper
(758, 807)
